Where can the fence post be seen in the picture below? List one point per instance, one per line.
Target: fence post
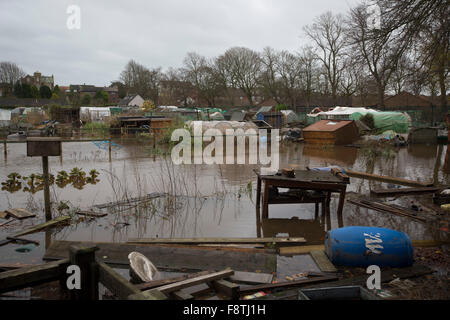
(5, 149)
(84, 258)
(109, 149)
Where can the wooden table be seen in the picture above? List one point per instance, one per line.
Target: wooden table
(325, 182)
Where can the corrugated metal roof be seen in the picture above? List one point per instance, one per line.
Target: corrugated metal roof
(327, 125)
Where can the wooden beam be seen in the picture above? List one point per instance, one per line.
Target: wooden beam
(42, 226)
(322, 261)
(172, 258)
(251, 277)
(32, 275)
(287, 284)
(384, 208)
(300, 249)
(115, 283)
(20, 213)
(84, 258)
(190, 282)
(180, 295)
(215, 240)
(405, 191)
(91, 214)
(376, 177)
(162, 282)
(228, 288)
(152, 294)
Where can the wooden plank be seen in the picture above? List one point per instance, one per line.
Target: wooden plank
(215, 240)
(229, 289)
(159, 283)
(191, 282)
(386, 276)
(6, 222)
(172, 258)
(386, 209)
(180, 295)
(32, 275)
(3, 214)
(322, 261)
(405, 191)
(376, 177)
(251, 277)
(42, 226)
(152, 294)
(287, 284)
(91, 214)
(300, 249)
(22, 240)
(115, 283)
(20, 213)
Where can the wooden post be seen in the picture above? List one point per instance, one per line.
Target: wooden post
(84, 258)
(5, 149)
(48, 212)
(109, 149)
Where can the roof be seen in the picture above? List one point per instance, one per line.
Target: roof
(327, 125)
(265, 109)
(125, 101)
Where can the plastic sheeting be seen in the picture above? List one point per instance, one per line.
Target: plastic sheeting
(222, 125)
(395, 121)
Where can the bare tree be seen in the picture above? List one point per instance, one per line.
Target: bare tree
(10, 73)
(176, 89)
(289, 68)
(269, 75)
(241, 67)
(428, 22)
(203, 75)
(327, 32)
(381, 54)
(308, 61)
(138, 79)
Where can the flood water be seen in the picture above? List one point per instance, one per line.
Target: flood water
(207, 200)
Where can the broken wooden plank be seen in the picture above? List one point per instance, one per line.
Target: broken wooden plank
(384, 208)
(180, 295)
(32, 275)
(152, 294)
(115, 283)
(22, 240)
(41, 226)
(91, 214)
(229, 289)
(6, 222)
(376, 177)
(215, 240)
(172, 258)
(168, 288)
(404, 191)
(322, 261)
(20, 213)
(286, 284)
(158, 283)
(300, 249)
(251, 277)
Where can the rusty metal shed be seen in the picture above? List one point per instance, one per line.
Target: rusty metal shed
(331, 132)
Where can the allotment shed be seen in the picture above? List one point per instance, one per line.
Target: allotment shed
(331, 132)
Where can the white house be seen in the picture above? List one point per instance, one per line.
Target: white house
(131, 101)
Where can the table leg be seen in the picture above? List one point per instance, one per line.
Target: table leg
(258, 193)
(265, 209)
(341, 201)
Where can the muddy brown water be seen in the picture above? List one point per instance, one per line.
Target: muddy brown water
(211, 200)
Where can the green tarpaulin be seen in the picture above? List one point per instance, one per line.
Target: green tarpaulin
(383, 121)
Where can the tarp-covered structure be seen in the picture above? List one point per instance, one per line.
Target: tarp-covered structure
(221, 125)
(396, 121)
(289, 116)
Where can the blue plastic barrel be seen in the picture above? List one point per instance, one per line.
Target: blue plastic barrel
(364, 246)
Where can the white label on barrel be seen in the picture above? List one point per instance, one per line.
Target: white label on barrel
(373, 243)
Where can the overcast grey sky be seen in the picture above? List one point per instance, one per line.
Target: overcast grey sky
(34, 33)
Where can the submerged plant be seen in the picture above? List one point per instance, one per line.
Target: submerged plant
(13, 183)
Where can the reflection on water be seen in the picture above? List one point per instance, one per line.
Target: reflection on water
(210, 200)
